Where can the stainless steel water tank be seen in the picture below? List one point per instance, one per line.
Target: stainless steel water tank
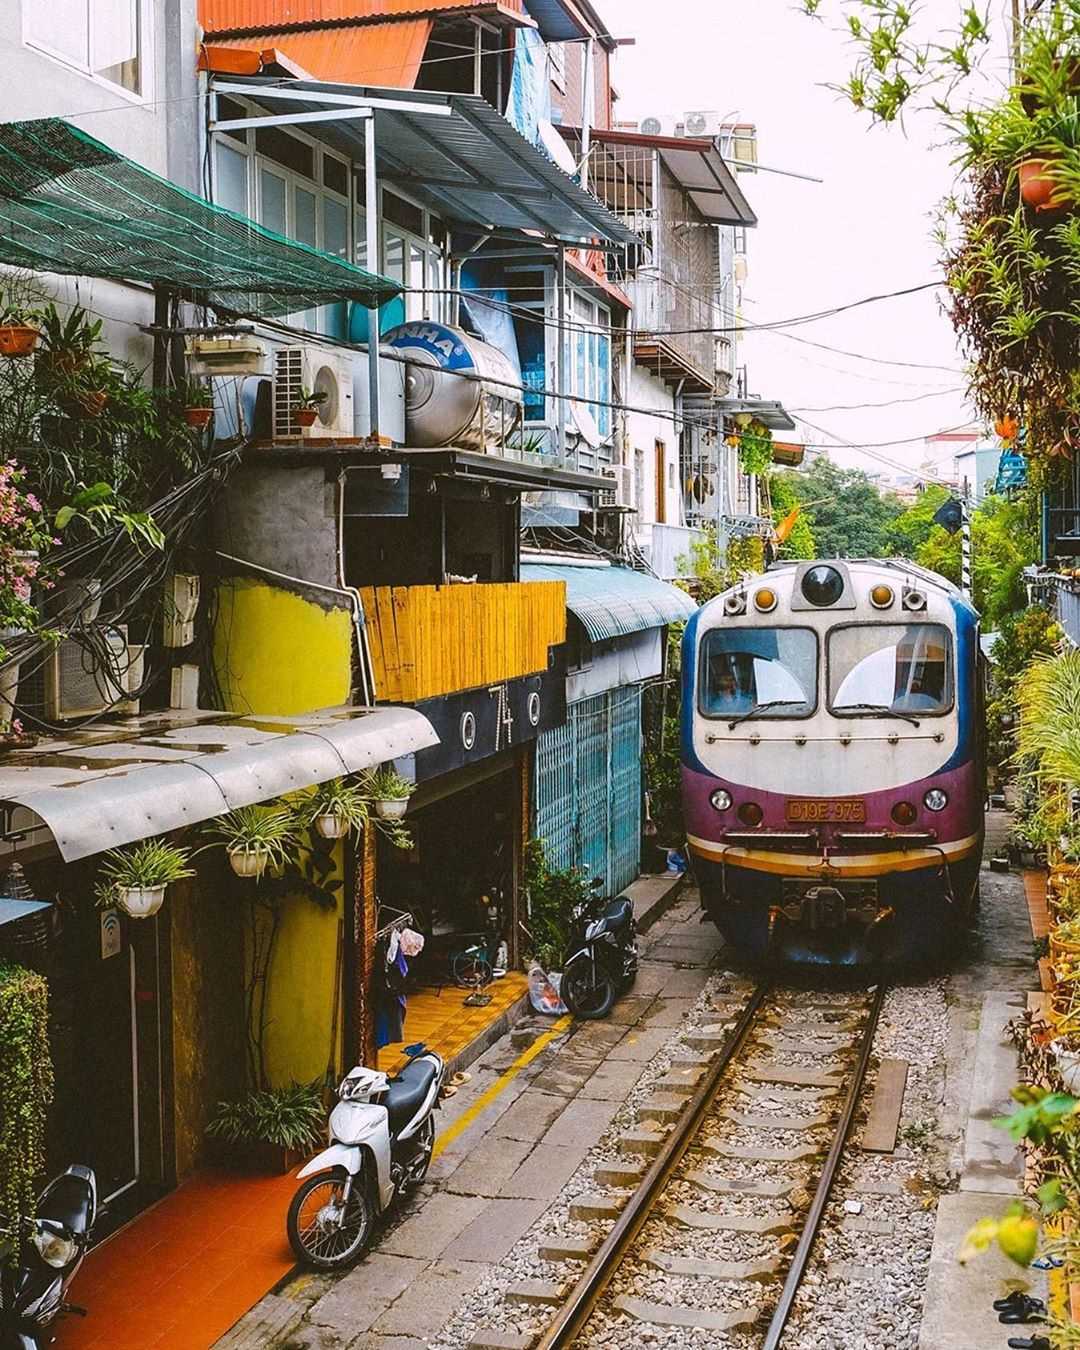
(459, 391)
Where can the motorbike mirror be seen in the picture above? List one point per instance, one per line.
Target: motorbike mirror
(596, 884)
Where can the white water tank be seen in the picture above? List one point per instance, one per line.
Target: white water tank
(459, 391)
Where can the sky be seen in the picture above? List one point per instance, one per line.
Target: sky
(864, 230)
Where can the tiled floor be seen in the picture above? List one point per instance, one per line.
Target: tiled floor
(183, 1272)
(441, 1020)
(186, 1270)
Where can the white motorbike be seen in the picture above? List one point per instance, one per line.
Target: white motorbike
(382, 1133)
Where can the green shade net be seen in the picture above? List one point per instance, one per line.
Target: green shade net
(70, 204)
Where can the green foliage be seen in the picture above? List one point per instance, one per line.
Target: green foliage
(1022, 636)
(912, 528)
(95, 508)
(755, 448)
(290, 1117)
(708, 572)
(310, 398)
(552, 894)
(26, 1085)
(151, 863)
(1048, 695)
(338, 798)
(849, 517)
(784, 496)
(387, 785)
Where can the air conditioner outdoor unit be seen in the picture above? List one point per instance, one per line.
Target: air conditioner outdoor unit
(87, 675)
(701, 124)
(625, 476)
(656, 126)
(318, 371)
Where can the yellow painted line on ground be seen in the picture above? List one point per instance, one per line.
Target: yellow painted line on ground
(500, 1085)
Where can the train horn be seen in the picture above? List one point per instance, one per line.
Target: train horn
(735, 604)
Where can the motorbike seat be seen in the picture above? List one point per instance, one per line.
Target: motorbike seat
(618, 912)
(407, 1091)
(67, 1200)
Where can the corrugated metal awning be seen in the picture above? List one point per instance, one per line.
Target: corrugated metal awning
(465, 161)
(11, 911)
(379, 53)
(613, 602)
(96, 793)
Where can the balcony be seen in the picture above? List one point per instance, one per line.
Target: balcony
(427, 641)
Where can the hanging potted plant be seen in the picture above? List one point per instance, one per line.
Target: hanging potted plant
(135, 879)
(71, 341)
(335, 809)
(19, 333)
(85, 391)
(255, 837)
(198, 405)
(389, 792)
(306, 408)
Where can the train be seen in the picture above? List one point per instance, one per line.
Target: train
(833, 762)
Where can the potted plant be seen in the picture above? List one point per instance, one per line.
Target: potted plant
(71, 341)
(335, 809)
(198, 405)
(306, 408)
(271, 1129)
(136, 878)
(254, 837)
(389, 792)
(19, 333)
(84, 392)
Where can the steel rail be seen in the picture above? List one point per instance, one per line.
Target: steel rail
(579, 1307)
(801, 1258)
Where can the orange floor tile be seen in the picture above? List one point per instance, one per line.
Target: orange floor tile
(186, 1270)
(441, 1020)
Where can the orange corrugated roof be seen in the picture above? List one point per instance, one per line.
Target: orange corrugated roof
(222, 16)
(375, 53)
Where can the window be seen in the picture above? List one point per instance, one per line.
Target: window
(590, 356)
(102, 38)
(761, 672)
(557, 61)
(890, 668)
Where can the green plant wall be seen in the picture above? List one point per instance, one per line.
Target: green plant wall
(26, 1085)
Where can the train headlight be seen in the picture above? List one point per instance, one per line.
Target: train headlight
(936, 800)
(882, 596)
(765, 600)
(750, 813)
(822, 585)
(904, 813)
(721, 800)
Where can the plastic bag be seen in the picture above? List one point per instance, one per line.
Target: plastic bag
(544, 991)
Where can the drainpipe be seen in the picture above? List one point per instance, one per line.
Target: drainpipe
(371, 209)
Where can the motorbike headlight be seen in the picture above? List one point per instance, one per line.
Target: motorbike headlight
(721, 800)
(55, 1246)
(936, 800)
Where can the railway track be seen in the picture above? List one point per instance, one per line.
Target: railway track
(740, 1166)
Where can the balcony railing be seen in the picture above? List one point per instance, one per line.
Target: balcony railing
(431, 640)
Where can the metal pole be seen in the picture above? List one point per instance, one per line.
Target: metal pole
(965, 546)
(371, 223)
(588, 105)
(478, 59)
(560, 360)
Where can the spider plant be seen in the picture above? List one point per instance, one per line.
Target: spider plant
(255, 837)
(135, 878)
(334, 809)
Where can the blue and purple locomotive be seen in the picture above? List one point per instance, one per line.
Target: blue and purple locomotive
(833, 769)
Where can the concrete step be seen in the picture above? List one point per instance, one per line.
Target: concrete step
(681, 1080)
(728, 1223)
(665, 1109)
(619, 1175)
(703, 1319)
(768, 1268)
(710, 1038)
(761, 1122)
(759, 1092)
(764, 1071)
(493, 1339)
(774, 1190)
(648, 1142)
(780, 1155)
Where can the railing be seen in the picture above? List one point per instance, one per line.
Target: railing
(667, 307)
(431, 640)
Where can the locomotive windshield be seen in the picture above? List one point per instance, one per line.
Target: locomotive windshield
(883, 668)
(765, 672)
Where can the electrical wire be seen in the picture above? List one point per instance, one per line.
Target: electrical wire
(888, 403)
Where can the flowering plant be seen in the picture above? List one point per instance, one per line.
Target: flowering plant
(23, 536)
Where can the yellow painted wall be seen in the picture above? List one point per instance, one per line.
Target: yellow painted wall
(300, 1004)
(277, 653)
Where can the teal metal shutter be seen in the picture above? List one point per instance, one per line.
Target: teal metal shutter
(588, 788)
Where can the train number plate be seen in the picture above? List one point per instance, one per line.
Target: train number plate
(841, 811)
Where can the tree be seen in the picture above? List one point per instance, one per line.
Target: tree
(849, 517)
(912, 528)
(785, 497)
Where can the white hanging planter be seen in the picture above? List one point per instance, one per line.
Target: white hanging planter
(331, 825)
(140, 902)
(391, 808)
(1068, 1064)
(248, 862)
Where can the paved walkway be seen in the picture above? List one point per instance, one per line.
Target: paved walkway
(538, 1102)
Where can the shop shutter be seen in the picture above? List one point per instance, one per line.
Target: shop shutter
(588, 788)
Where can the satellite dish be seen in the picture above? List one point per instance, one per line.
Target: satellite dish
(652, 126)
(697, 124)
(556, 147)
(586, 424)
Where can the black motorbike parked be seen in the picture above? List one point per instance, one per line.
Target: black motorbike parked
(603, 959)
(50, 1248)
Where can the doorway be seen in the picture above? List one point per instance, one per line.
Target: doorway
(661, 482)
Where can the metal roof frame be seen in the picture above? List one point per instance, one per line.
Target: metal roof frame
(454, 152)
(768, 411)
